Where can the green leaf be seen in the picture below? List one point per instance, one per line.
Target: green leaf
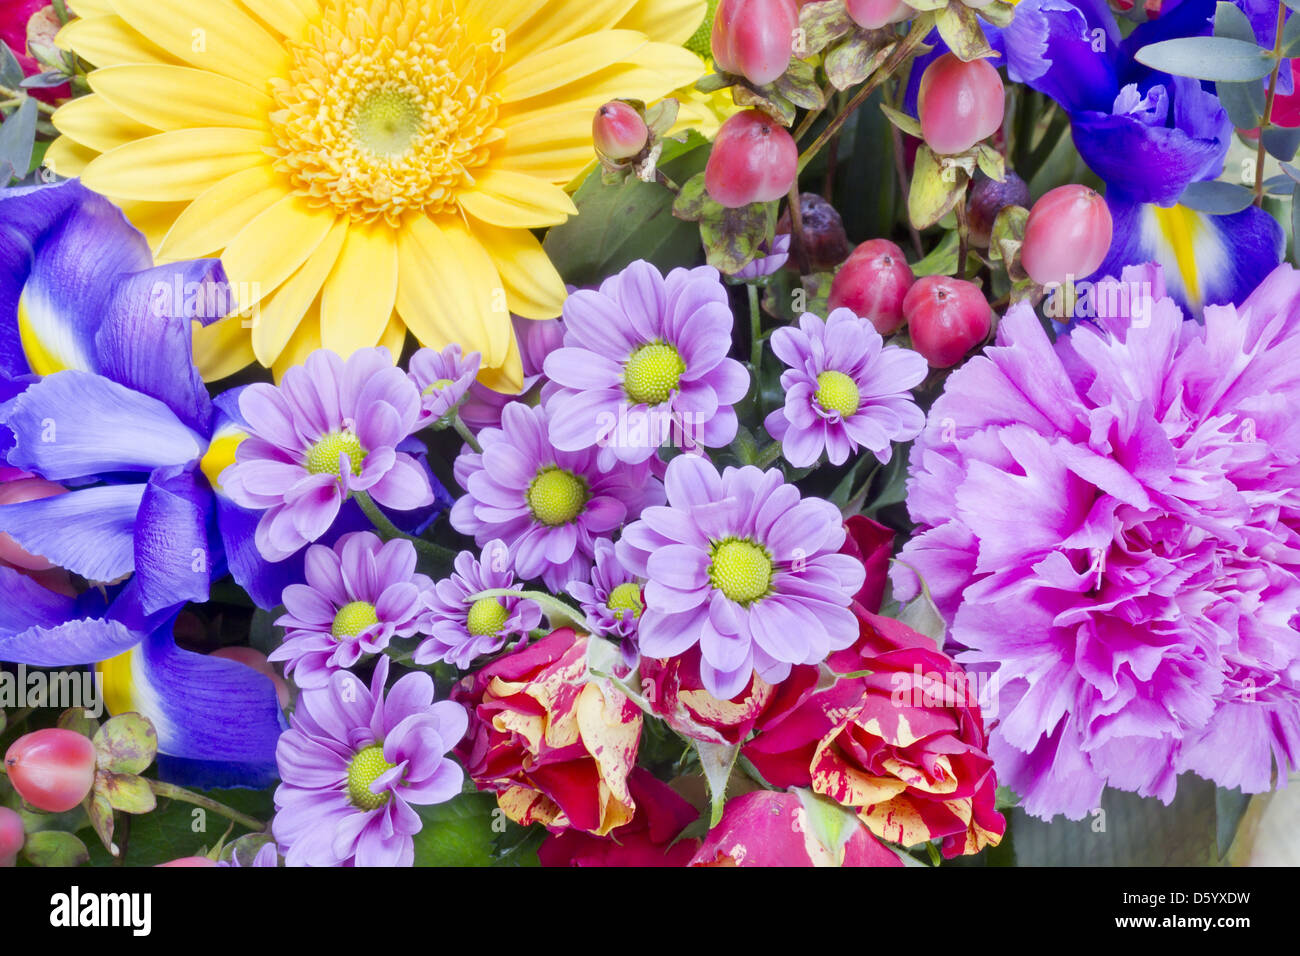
(17, 136)
(960, 28)
(716, 760)
(831, 824)
(1008, 234)
(616, 225)
(732, 237)
(991, 162)
(1295, 223)
(855, 58)
(54, 848)
(1229, 809)
(126, 744)
(908, 124)
(459, 832)
(1231, 22)
(823, 23)
(941, 260)
(923, 617)
(1216, 198)
(1291, 37)
(999, 13)
(126, 792)
(1281, 143)
(1208, 58)
(11, 71)
(1244, 102)
(936, 188)
(798, 84)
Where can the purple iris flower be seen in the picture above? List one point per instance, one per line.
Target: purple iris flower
(354, 763)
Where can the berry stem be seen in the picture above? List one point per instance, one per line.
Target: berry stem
(797, 245)
(173, 792)
(755, 330)
(1268, 107)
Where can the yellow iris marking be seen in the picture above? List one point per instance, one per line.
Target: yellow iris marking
(1179, 227)
(118, 683)
(42, 358)
(220, 456)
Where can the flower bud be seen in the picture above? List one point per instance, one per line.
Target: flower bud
(754, 159)
(873, 283)
(1068, 234)
(618, 130)
(959, 103)
(947, 318)
(755, 38)
(52, 769)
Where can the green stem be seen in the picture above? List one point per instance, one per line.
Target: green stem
(755, 330)
(19, 94)
(1268, 107)
(854, 504)
(466, 435)
(390, 531)
(768, 455)
(906, 47)
(174, 792)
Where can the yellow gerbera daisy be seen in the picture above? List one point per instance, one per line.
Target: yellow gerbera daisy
(361, 167)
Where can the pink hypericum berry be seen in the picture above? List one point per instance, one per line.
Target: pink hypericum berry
(873, 283)
(754, 159)
(754, 38)
(947, 318)
(52, 769)
(959, 103)
(618, 130)
(1068, 234)
(874, 14)
(11, 836)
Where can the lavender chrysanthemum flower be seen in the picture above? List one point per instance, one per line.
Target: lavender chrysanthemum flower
(741, 565)
(645, 362)
(359, 595)
(611, 601)
(330, 429)
(1111, 527)
(770, 260)
(459, 629)
(537, 339)
(844, 390)
(548, 506)
(354, 761)
(443, 379)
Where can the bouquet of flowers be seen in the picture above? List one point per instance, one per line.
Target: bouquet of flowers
(647, 433)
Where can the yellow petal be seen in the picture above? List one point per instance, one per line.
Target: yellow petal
(486, 16)
(67, 157)
(394, 336)
(553, 145)
(281, 314)
(90, 8)
(305, 341)
(271, 247)
(154, 219)
(357, 301)
(217, 215)
(443, 299)
(544, 29)
(94, 122)
(503, 198)
(223, 348)
(674, 67)
(179, 164)
(533, 287)
(290, 17)
(178, 97)
(555, 66)
(508, 378)
(668, 21)
(210, 34)
(107, 40)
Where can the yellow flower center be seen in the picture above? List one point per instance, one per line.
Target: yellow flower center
(386, 110)
(624, 599)
(652, 372)
(836, 392)
(486, 616)
(323, 457)
(367, 766)
(741, 570)
(353, 618)
(557, 496)
(437, 386)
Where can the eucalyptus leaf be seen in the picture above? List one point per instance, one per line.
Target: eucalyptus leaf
(1244, 102)
(1291, 37)
(1208, 58)
(1281, 143)
(1231, 22)
(1216, 198)
(11, 71)
(1229, 809)
(17, 135)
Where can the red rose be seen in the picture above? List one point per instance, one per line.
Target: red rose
(902, 742)
(675, 692)
(873, 545)
(554, 747)
(766, 828)
(661, 814)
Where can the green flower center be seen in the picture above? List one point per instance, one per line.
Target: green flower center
(323, 457)
(652, 372)
(625, 598)
(437, 386)
(486, 616)
(836, 392)
(741, 570)
(367, 766)
(353, 618)
(386, 122)
(557, 496)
